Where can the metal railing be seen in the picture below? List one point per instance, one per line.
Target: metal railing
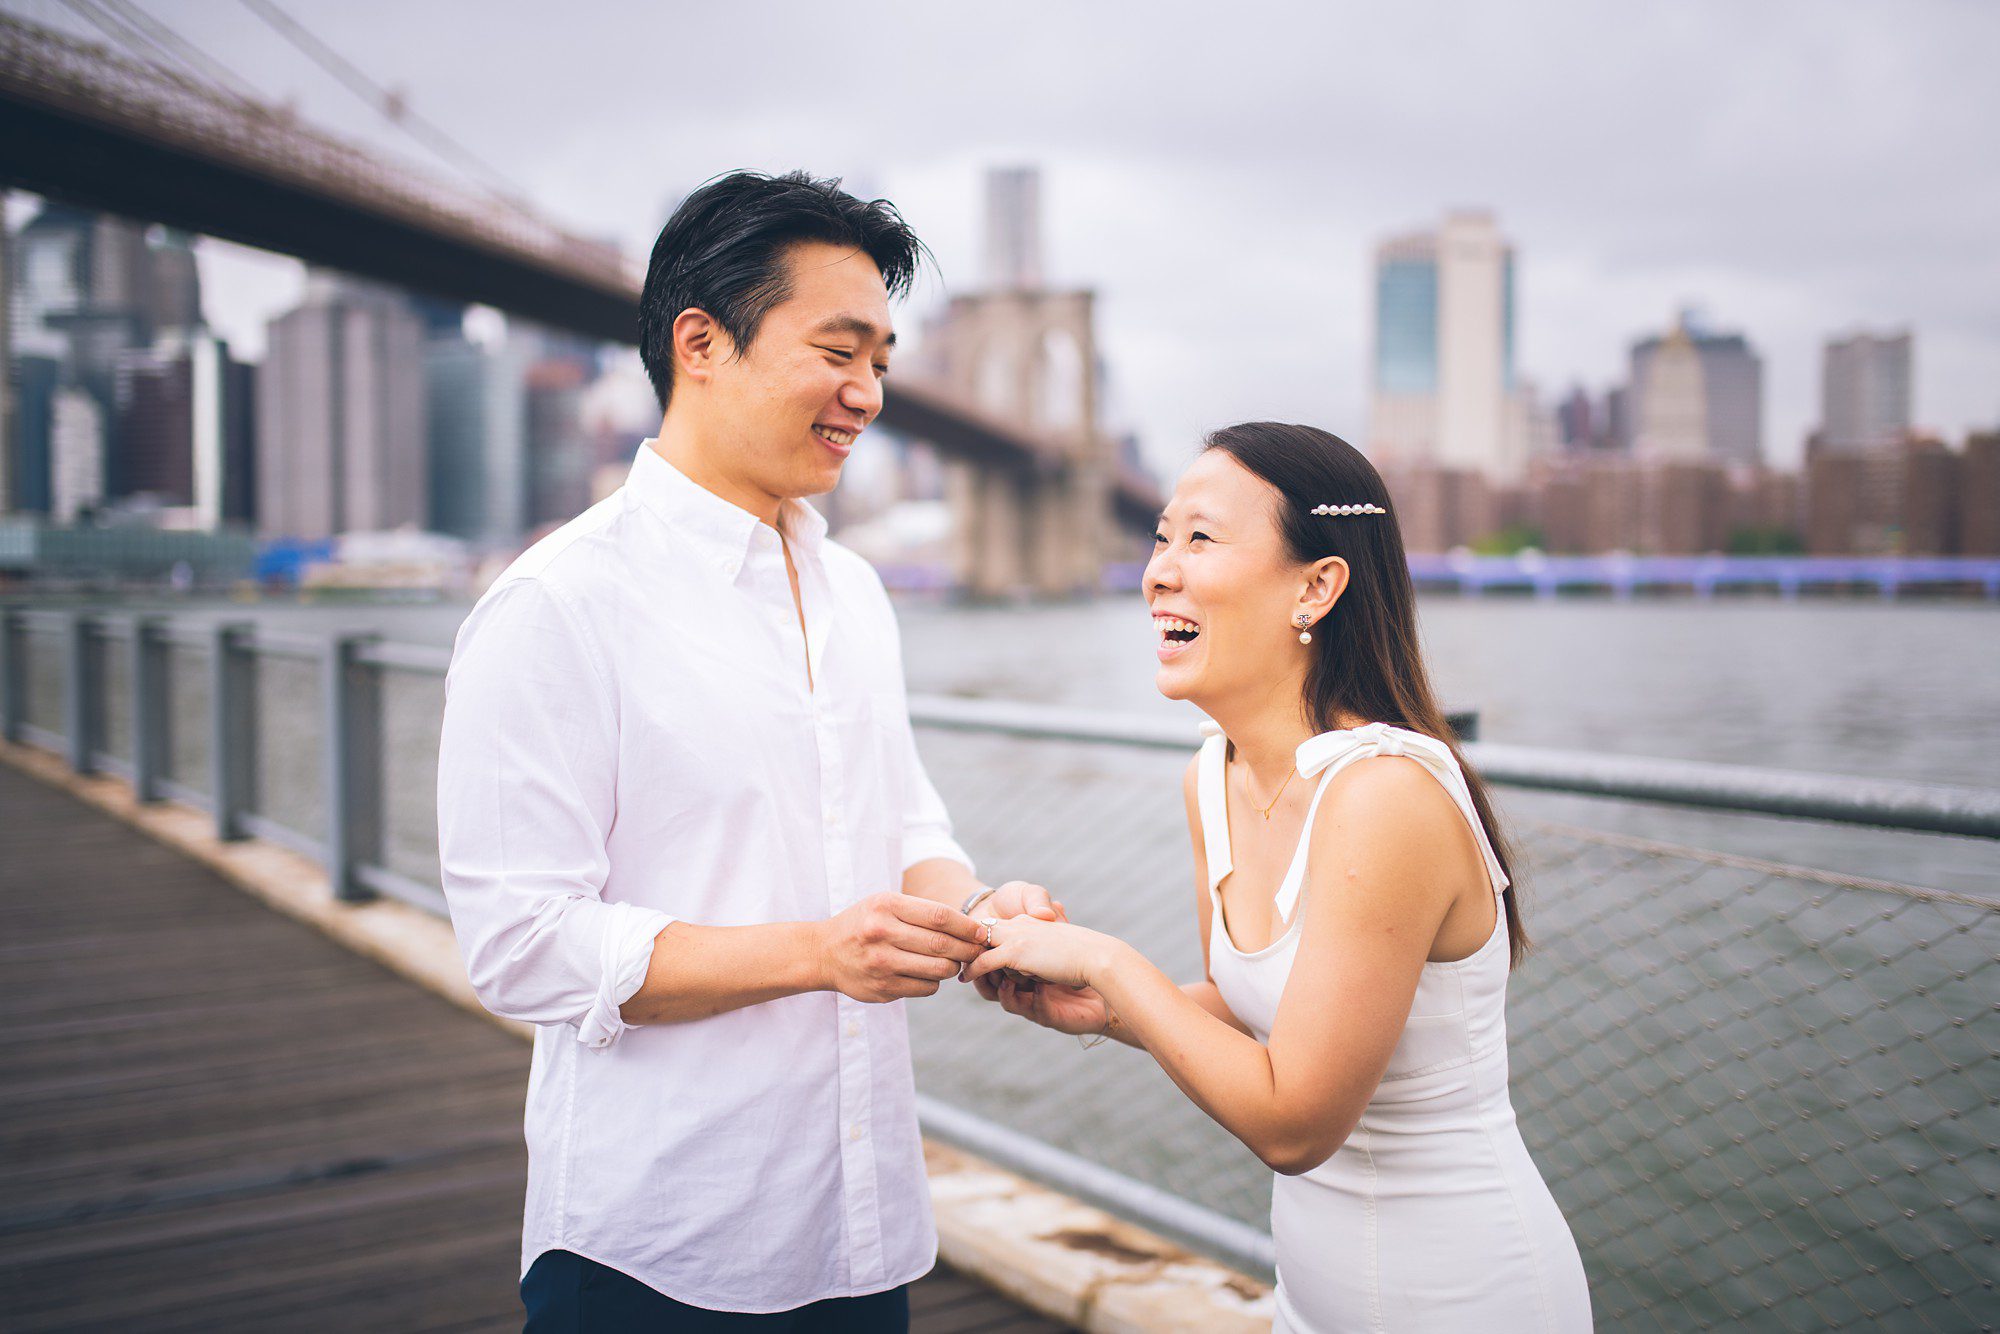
(1764, 1096)
(276, 735)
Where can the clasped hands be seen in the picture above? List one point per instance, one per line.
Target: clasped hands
(1019, 949)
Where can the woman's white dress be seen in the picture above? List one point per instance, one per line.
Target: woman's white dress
(1431, 1217)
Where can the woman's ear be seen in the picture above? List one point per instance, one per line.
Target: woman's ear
(1326, 580)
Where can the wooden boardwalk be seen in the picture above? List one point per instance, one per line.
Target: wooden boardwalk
(213, 1118)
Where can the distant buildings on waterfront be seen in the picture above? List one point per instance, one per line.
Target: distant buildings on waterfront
(1670, 461)
(373, 411)
(378, 411)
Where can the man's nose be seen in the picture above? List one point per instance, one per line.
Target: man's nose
(862, 395)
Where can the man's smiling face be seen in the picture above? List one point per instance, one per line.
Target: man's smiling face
(811, 380)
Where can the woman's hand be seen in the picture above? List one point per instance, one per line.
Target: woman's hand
(1076, 1010)
(1057, 952)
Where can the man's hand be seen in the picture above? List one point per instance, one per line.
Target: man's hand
(1077, 1010)
(896, 946)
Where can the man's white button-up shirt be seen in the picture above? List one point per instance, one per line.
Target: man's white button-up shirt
(630, 739)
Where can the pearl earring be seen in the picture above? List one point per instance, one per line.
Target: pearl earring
(1305, 635)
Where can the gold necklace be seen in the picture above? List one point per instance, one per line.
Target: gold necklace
(1265, 811)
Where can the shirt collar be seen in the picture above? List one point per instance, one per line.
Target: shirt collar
(724, 532)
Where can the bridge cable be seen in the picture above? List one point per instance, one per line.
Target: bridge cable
(390, 105)
(218, 74)
(135, 42)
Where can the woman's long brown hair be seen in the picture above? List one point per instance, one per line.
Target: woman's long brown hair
(1366, 657)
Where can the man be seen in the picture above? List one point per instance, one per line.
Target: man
(683, 824)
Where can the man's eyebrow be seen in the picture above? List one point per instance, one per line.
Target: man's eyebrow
(853, 324)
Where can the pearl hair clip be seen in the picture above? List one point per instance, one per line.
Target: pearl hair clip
(1348, 509)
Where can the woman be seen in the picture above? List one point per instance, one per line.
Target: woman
(1357, 924)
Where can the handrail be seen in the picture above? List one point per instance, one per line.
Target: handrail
(1834, 798)
(1225, 1238)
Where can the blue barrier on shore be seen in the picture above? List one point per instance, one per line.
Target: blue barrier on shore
(1623, 574)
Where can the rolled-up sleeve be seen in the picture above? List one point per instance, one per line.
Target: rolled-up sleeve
(526, 770)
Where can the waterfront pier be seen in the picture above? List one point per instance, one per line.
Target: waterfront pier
(217, 1118)
(1766, 1096)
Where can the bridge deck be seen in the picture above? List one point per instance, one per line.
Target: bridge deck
(213, 1118)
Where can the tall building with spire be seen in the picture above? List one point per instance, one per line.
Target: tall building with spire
(1673, 405)
(1726, 374)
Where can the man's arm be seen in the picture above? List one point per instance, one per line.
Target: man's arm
(886, 947)
(525, 801)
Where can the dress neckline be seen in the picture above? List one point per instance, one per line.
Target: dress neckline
(1319, 754)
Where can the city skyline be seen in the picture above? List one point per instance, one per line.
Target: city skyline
(1627, 196)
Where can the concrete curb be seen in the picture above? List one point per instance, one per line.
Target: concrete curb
(1065, 1259)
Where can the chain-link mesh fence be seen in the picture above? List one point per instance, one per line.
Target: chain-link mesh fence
(188, 719)
(111, 668)
(288, 768)
(1763, 1096)
(412, 714)
(42, 670)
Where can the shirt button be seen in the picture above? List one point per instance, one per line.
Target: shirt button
(833, 820)
(853, 1029)
(855, 1133)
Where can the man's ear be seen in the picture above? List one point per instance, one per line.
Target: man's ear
(700, 344)
(1326, 580)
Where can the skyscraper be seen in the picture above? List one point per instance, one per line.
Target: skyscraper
(185, 428)
(1865, 391)
(1014, 228)
(340, 415)
(476, 399)
(559, 462)
(1727, 374)
(1444, 385)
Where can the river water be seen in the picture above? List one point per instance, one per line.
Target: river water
(1889, 690)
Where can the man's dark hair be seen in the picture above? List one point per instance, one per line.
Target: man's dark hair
(724, 252)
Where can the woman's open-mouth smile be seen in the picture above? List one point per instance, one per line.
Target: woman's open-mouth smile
(1177, 634)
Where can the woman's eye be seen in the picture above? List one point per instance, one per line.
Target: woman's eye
(1198, 537)
(881, 371)
(1159, 539)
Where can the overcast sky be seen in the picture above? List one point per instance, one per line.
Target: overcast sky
(1219, 173)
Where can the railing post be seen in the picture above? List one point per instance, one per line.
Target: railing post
(149, 708)
(80, 704)
(13, 676)
(232, 719)
(353, 722)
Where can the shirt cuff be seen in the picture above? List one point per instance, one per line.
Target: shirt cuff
(924, 845)
(626, 950)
